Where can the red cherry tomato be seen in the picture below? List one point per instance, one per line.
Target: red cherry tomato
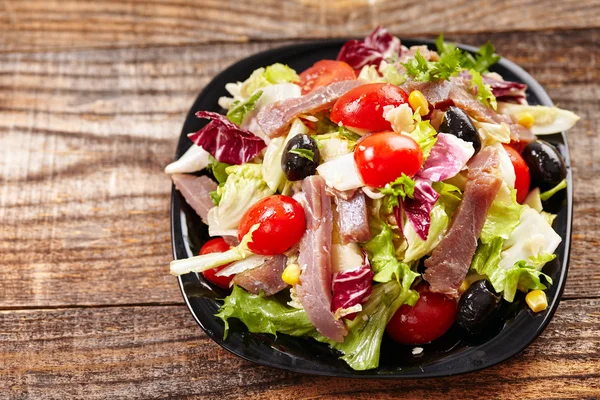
(325, 72)
(430, 318)
(216, 245)
(362, 107)
(281, 224)
(383, 157)
(523, 179)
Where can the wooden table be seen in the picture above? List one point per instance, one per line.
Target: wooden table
(92, 99)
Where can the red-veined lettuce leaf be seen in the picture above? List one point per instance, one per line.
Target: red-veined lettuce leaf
(447, 157)
(226, 141)
(376, 47)
(419, 207)
(352, 287)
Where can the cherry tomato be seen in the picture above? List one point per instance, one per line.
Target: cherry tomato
(523, 178)
(383, 157)
(281, 224)
(430, 318)
(324, 72)
(362, 107)
(216, 245)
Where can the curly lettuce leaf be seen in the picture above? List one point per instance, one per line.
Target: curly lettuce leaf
(386, 265)
(484, 91)
(484, 58)
(422, 70)
(264, 314)
(271, 75)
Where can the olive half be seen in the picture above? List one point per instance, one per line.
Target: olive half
(477, 307)
(300, 157)
(546, 166)
(458, 123)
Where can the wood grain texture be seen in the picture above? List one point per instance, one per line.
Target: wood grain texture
(34, 25)
(92, 98)
(85, 135)
(159, 352)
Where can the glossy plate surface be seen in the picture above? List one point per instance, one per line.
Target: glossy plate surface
(452, 354)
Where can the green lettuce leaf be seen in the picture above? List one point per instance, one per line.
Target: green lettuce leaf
(385, 264)
(264, 314)
(391, 75)
(450, 196)
(238, 110)
(424, 134)
(403, 186)
(273, 74)
(522, 276)
(484, 91)
(218, 169)
(503, 217)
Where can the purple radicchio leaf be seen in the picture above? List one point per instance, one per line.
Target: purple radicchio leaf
(226, 141)
(418, 209)
(352, 287)
(376, 47)
(447, 157)
(507, 91)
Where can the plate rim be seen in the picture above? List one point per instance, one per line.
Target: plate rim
(544, 98)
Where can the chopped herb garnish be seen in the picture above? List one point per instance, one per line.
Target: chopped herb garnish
(304, 153)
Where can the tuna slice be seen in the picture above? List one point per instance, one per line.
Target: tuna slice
(451, 259)
(274, 118)
(353, 221)
(314, 289)
(437, 92)
(266, 278)
(196, 191)
(461, 98)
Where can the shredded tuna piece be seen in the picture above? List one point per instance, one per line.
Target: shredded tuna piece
(451, 259)
(353, 220)
(266, 278)
(274, 118)
(314, 289)
(196, 191)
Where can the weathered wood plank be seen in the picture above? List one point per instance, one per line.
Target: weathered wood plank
(36, 25)
(84, 136)
(158, 352)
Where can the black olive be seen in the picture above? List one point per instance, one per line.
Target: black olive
(477, 307)
(458, 123)
(546, 165)
(300, 157)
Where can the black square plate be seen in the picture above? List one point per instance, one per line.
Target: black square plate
(451, 354)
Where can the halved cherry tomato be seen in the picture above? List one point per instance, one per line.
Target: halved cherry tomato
(323, 73)
(216, 245)
(362, 107)
(523, 179)
(430, 318)
(281, 224)
(383, 157)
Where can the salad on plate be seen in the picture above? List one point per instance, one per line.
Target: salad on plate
(394, 191)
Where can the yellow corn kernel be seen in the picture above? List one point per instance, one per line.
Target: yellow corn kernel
(417, 100)
(536, 300)
(525, 119)
(291, 274)
(464, 286)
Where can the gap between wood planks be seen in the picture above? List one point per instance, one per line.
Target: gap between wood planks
(289, 40)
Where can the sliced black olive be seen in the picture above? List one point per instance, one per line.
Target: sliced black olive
(300, 157)
(458, 123)
(477, 307)
(546, 165)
